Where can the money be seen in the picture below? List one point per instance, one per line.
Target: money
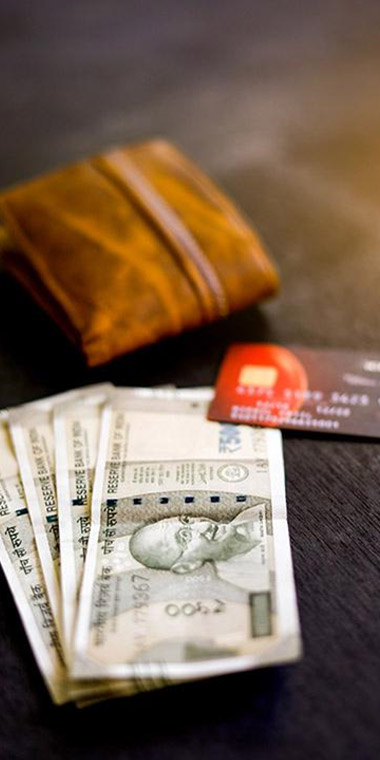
(33, 438)
(76, 438)
(76, 433)
(170, 529)
(21, 565)
(188, 571)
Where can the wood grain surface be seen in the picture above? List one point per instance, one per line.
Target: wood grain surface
(280, 103)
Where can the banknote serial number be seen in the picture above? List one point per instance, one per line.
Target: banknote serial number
(140, 596)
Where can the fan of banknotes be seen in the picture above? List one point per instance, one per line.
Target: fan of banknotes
(143, 544)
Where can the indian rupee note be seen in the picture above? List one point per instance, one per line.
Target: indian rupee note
(188, 571)
(111, 689)
(21, 565)
(76, 438)
(32, 433)
(108, 689)
(76, 434)
(33, 438)
(31, 595)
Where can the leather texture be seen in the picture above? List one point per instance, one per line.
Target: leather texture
(131, 246)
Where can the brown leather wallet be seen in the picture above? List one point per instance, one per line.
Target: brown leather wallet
(130, 246)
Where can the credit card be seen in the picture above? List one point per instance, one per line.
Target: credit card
(296, 388)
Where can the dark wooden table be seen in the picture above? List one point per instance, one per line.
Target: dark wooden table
(280, 102)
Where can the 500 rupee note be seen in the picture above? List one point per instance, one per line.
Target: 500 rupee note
(188, 571)
(21, 565)
(33, 425)
(33, 438)
(76, 439)
(22, 568)
(76, 435)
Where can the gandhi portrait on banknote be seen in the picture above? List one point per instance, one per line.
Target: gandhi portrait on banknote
(204, 546)
(182, 544)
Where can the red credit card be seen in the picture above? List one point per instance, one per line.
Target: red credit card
(320, 390)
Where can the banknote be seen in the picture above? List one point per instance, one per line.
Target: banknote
(60, 685)
(188, 571)
(21, 565)
(32, 432)
(101, 690)
(106, 689)
(76, 434)
(84, 424)
(76, 437)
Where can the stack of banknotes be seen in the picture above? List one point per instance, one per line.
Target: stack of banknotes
(143, 544)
